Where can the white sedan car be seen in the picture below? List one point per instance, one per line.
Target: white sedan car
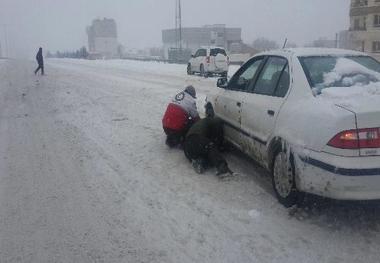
(311, 117)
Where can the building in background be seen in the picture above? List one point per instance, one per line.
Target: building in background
(102, 39)
(194, 37)
(364, 32)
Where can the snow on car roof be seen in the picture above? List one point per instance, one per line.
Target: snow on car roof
(307, 52)
(212, 47)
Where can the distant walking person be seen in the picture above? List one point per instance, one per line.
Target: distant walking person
(40, 61)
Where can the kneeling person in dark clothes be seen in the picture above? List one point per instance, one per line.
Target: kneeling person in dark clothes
(201, 145)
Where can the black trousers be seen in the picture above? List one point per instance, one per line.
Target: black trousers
(40, 67)
(174, 138)
(200, 147)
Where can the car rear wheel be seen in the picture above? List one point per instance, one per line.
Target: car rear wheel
(283, 179)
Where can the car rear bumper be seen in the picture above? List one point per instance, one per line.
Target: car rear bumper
(343, 178)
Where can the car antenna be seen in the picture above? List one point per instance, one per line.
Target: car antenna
(285, 42)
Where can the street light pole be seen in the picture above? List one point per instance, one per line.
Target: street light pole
(6, 48)
(180, 25)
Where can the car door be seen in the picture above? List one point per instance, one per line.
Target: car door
(229, 102)
(262, 105)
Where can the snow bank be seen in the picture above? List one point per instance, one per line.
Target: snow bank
(131, 65)
(136, 66)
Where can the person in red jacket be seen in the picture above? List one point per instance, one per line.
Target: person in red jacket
(180, 114)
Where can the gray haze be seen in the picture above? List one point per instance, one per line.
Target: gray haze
(60, 25)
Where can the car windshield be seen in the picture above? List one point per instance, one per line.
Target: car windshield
(216, 51)
(328, 71)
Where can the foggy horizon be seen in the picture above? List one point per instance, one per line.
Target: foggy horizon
(62, 26)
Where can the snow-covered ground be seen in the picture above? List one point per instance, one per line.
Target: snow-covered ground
(85, 176)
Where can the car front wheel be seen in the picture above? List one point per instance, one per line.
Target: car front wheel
(283, 179)
(209, 111)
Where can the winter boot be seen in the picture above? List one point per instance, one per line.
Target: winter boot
(223, 170)
(199, 166)
(171, 141)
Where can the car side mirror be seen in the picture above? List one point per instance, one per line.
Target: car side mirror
(222, 83)
(192, 55)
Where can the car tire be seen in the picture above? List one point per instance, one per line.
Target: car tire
(209, 111)
(283, 179)
(189, 72)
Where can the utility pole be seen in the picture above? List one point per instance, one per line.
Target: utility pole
(6, 47)
(178, 24)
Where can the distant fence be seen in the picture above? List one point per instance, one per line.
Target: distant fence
(233, 60)
(146, 59)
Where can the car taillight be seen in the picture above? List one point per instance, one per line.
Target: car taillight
(208, 59)
(357, 139)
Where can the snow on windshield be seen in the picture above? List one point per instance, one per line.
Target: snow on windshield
(350, 84)
(346, 81)
(348, 73)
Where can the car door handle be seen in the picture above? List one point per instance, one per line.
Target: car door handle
(271, 112)
(238, 104)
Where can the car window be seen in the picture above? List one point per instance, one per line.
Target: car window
(283, 83)
(197, 53)
(202, 53)
(215, 51)
(269, 77)
(245, 75)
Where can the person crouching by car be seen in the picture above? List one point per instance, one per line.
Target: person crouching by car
(202, 144)
(180, 114)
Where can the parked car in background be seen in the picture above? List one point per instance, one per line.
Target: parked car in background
(311, 117)
(208, 61)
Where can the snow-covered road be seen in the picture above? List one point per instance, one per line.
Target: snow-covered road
(85, 176)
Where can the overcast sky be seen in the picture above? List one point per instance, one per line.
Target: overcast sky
(61, 24)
